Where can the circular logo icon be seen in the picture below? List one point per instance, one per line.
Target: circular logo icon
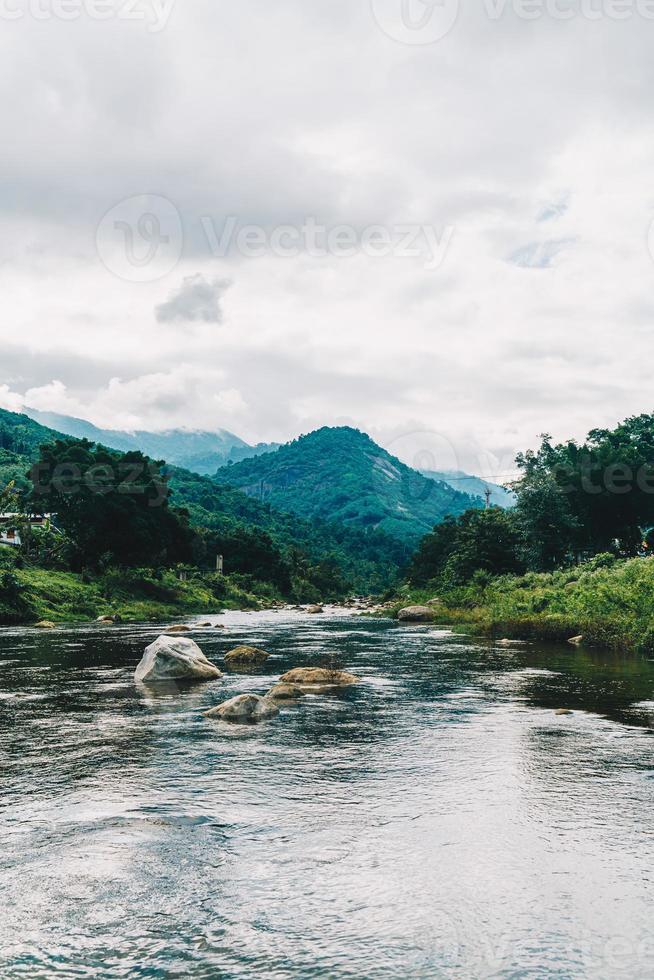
(140, 239)
(415, 21)
(426, 451)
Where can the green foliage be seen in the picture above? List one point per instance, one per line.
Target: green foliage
(256, 539)
(112, 507)
(369, 560)
(341, 476)
(598, 496)
(479, 541)
(610, 601)
(14, 606)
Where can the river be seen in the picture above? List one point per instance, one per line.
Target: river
(436, 820)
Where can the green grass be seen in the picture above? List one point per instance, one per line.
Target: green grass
(135, 595)
(610, 602)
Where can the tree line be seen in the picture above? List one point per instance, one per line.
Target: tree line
(573, 501)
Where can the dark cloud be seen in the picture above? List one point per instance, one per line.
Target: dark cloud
(197, 300)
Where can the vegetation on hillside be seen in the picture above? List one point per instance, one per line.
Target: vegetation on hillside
(340, 475)
(116, 510)
(607, 600)
(571, 557)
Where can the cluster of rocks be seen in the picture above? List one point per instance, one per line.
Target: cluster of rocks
(179, 658)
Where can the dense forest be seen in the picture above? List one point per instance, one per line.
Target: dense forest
(341, 475)
(123, 510)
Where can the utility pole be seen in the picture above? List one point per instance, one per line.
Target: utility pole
(219, 564)
(487, 495)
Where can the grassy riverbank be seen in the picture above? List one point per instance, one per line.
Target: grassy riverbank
(31, 594)
(610, 602)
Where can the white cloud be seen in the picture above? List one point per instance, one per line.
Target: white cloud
(494, 130)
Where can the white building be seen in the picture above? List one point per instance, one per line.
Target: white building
(8, 533)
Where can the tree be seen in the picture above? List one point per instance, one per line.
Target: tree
(113, 507)
(606, 486)
(545, 524)
(478, 540)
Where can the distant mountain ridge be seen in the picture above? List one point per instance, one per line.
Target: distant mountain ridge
(195, 450)
(340, 474)
(205, 452)
(368, 559)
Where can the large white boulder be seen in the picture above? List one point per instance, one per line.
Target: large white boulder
(175, 658)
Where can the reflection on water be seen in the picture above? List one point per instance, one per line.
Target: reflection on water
(437, 820)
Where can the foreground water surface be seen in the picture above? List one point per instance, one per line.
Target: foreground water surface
(439, 819)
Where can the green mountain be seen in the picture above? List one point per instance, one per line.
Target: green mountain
(340, 475)
(230, 522)
(472, 485)
(197, 450)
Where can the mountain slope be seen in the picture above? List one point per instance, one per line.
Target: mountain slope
(200, 451)
(340, 474)
(472, 485)
(369, 560)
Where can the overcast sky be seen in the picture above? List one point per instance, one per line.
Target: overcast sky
(519, 152)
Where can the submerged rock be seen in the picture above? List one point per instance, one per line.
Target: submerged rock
(510, 643)
(415, 614)
(250, 656)
(285, 692)
(244, 708)
(318, 675)
(175, 659)
(178, 628)
(44, 624)
(563, 711)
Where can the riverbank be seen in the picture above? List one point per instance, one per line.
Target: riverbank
(28, 595)
(609, 602)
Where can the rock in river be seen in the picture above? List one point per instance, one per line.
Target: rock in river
(249, 656)
(576, 640)
(315, 609)
(244, 708)
(178, 628)
(317, 675)
(175, 658)
(285, 692)
(45, 624)
(416, 614)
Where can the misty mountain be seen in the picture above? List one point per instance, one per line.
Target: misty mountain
(196, 450)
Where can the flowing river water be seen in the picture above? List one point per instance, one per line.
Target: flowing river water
(437, 820)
